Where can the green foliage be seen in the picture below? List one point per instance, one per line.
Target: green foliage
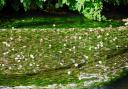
(39, 3)
(2, 3)
(91, 9)
(26, 4)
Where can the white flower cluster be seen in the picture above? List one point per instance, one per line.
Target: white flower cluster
(6, 44)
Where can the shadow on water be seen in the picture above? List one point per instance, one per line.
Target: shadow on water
(76, 21)
(121, 83)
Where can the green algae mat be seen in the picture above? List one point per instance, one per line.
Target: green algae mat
(81, 58)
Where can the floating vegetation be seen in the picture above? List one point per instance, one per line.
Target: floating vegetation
(80, 57)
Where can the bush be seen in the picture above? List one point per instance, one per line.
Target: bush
(91, 9)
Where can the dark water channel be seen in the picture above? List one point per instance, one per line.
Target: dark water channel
(121, 83)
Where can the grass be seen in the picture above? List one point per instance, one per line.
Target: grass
(60, 56)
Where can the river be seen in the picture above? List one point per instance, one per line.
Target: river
(121, 83)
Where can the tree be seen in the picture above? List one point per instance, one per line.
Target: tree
(91, 9)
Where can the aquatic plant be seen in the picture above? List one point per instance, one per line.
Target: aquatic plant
(62, 56)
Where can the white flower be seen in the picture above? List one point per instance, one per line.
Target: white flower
(107, 34)
(12, 27)
(12, 49)
(101, 44)
(37, 65)
(86, 56)
(70, 49)
(61, 64)
(95, 48)
(5, 53)
(101, 30)
(74, 52)
(24, 46)
(50, 45)
(30, 64)
(72, 85)
(31, 56)
(34, 70)
(74, 47)
(18, 60)
(90, 48)
(20, 66)
(106, 38)
(80, 37)
(91, 30)
(100, 62)
(60, 51)
(98, 46)
(64, 45)
(117, 46)
(21, 1)
(115, 38)
(18, 56)
(26, 59)
(54, 25)
(7, 44)
(76, 65)
(126, 24)
(41, 40)
(86, 33)
(99, 36)
(11, 38)
(3, 65)
(83, 61)
(10, 68)
(69, 72)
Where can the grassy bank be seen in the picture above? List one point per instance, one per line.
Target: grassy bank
(53, 56)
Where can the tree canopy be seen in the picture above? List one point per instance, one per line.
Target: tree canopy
(91, 9)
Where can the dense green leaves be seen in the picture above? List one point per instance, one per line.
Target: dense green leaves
(2, 3)
(91, 9)
(26, 4)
